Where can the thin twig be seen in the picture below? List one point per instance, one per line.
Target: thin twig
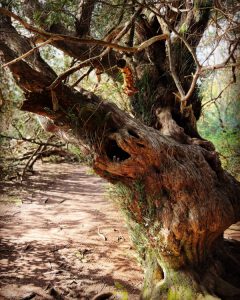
(33, 141)
(85, 63)
(220, 66)
(219, 95)
(39, 148)
(199, 72)
(193, 85)
(127, 26)
(49, 41)
(82, 77)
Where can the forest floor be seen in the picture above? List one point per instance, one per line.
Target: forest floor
(62, 238)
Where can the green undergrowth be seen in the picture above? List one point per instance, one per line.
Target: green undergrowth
(220, 120)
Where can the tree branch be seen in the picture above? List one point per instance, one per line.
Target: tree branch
(189, 47)
(192, 87)
(84, 16)
(32, 141)
(49, 41)
(26, 77)
(92, 60)
(77, 40)
(173, 70)
(82, 77)
(199, 72)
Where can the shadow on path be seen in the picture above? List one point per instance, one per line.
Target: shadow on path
(52, 231)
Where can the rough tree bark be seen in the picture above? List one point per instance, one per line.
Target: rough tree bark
(177, 198)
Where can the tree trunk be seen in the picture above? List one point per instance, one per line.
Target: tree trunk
(177, 198)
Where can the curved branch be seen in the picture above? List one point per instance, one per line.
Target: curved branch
(77, 40)
(32, 141)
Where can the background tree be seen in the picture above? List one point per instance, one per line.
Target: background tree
(177, 198)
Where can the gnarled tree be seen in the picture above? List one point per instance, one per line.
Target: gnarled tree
(177, 198)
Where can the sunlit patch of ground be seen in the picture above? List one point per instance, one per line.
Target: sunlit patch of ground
(60, 237)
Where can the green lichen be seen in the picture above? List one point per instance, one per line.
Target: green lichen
(183, 29)
(179, 293)
(139, 238)
(120, 291)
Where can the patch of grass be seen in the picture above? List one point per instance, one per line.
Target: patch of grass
(7, 199)
(120, 291)
(90, 171)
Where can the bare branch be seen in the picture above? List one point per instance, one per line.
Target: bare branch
(49, 41)
(190, 49)
(219, 95)
(149, 42)
(92, 60)
(31, 159)
(173, 71)
(70, 71)
(82, 77)
(127, 26)
(193, 85)
(32, 141)
(82, 41)
(208, 68)
(220, 66)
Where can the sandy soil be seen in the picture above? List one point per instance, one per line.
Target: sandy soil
(61, 238)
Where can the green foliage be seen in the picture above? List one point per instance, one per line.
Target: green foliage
(14, 123)
(183, 29)
(220, 119)
(139, 238)
(79, 155)
(61, 11)
(122, 195)
(12, 99)
(199, 8)
(106, 17)
(15, 152)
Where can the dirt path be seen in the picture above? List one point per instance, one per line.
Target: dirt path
(62, 239)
